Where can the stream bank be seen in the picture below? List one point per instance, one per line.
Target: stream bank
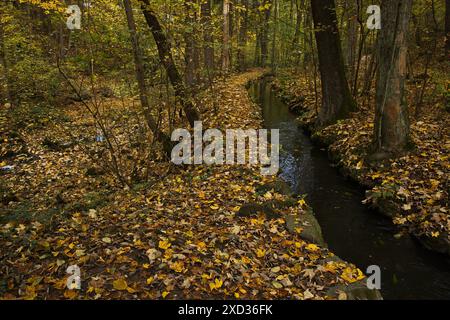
(350, 228)
(412, 190)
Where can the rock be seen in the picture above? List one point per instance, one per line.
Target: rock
(282, 204)
(355, 291)
(439, 244)
(311, 232)
(279, 186)
(253, 209)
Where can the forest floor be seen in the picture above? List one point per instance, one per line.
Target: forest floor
(176, 236)
(413, 189)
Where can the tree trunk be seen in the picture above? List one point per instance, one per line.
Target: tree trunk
(226, 36)
(4, 62)
(189, 48)
(265, 32)
(242, 36)
(337, 101)
(351, 40)
(275, 31)
(140, 76)
(165, 55)
(298, 24)
(447, 26)
(391, 117)
(208, 49)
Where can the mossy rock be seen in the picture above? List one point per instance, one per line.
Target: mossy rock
(356, 291)
(254, 209)
(311, 230)
(279, 186)
(439, 244)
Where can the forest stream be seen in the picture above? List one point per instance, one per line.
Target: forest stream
(352, 230)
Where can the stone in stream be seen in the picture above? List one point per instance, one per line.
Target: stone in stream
(355, 291)
(311, 230)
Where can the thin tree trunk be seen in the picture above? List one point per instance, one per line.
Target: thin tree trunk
(189, 48)
(226, 36)
(265, 33)
(165, 55)
(391, 116)
(208, 49)
(275, 31)
(337, 101)
(351, 41)
(140, 76)
(447, 26)
(242, 36)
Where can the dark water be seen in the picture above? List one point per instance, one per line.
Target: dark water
(351, 229)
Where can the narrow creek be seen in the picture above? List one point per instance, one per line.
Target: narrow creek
(353, 231)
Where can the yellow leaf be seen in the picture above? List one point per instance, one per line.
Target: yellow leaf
(216, 284)
(214, 207)
(120, 284)
(435, 234)
(150, 280)
(359, 165)
(260, 253)
(268, 196)
(201, 245)
(70, 294)
(177, 266)
(312, 247)
(245, 260)
(164, 294)
(352, 275)
(164, 244)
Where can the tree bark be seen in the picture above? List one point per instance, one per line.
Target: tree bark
(242, 36)
(189, 50)
(391, 116)
(447, 26)
(337, 101)
(208, 49)
(165, 55)
(273, 59)
(4, 62)
(226, 36)
(140, 77)
(265, 32)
